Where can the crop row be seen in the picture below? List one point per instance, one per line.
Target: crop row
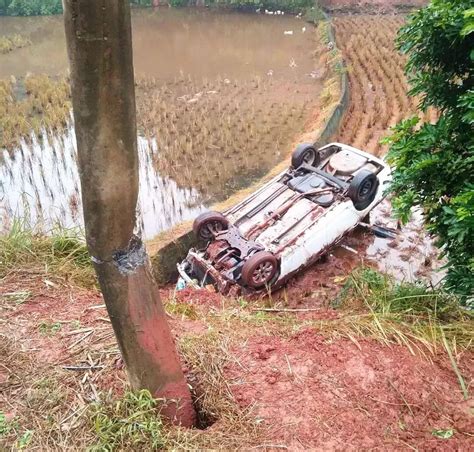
(378, 86)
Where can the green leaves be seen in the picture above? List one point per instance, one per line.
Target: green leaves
(469, 22)
(443, 434)
(438, 42)
(130, 423)
(434, 163)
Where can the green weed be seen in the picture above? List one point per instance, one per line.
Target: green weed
(383, 296)
(18, 297)
(128, 423)
(5, 426)
(181, 309)
(10, 430)
(49, 329)
(407, 314)
(24, 440)
(443, 434)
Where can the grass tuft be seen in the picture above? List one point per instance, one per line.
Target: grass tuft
(183, 310)
(127, 423)
(206, 355)
(12, 42)
(63, 253)
(407, 314)
(382, 295)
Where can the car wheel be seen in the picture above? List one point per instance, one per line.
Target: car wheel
(208, 224)
(363, 188)
(259, 269)
(305, 153)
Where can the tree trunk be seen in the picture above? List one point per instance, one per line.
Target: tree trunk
(100, 53)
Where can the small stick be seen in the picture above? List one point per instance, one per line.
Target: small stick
(103, 319)
(401, 395)
(73, 413)
(82, 368)
(80, 339)
(289, 365)
(383, 401)
(82, 330)
(98, 306)
(348, 248)
(96, 396)
(287, 310)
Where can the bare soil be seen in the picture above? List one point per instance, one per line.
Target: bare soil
(320, 394)
(304, 390)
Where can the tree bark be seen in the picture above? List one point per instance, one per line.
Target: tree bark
(99, 45)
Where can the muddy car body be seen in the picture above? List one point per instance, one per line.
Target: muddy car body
(288, 223)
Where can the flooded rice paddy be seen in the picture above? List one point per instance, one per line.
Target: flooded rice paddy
(220, 99)
(43, 187)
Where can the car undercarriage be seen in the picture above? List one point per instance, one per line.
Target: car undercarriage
(288, 223)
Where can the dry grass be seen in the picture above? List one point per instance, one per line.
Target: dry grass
(378, 85)
(53, 407)
(218, 136)
(38, 404)
(426, 321)
(12, 42)
(48, 407)
(45, 109)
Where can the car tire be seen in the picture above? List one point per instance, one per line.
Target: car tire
(207, 224)
(305, 153)
(363, 188)
(259, 270)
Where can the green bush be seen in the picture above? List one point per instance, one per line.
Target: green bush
(43, 7)
(179, 3)
(435, 162)
(34, 7)
(46, 7)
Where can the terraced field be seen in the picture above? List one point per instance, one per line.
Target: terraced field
(377, 81)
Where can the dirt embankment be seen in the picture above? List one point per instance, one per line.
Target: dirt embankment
(317, 393)
(297, 387)
(371, 6)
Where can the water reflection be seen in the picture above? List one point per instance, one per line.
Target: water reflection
(224, 93)
(40, 183)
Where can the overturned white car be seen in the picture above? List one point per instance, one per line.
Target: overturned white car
(288, 223)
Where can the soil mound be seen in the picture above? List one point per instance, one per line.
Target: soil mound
(318, 393)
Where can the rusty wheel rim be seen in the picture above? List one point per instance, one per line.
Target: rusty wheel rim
(211, 229)
(262, 273)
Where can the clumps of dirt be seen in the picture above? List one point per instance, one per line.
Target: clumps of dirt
(319, 285)
(316, 392)
(203, 297)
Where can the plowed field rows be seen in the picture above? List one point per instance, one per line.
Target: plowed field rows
(378, 86)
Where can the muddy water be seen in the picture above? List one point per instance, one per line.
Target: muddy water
(168, 41)
(177, 51)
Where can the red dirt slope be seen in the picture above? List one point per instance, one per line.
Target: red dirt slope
(323, 394)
